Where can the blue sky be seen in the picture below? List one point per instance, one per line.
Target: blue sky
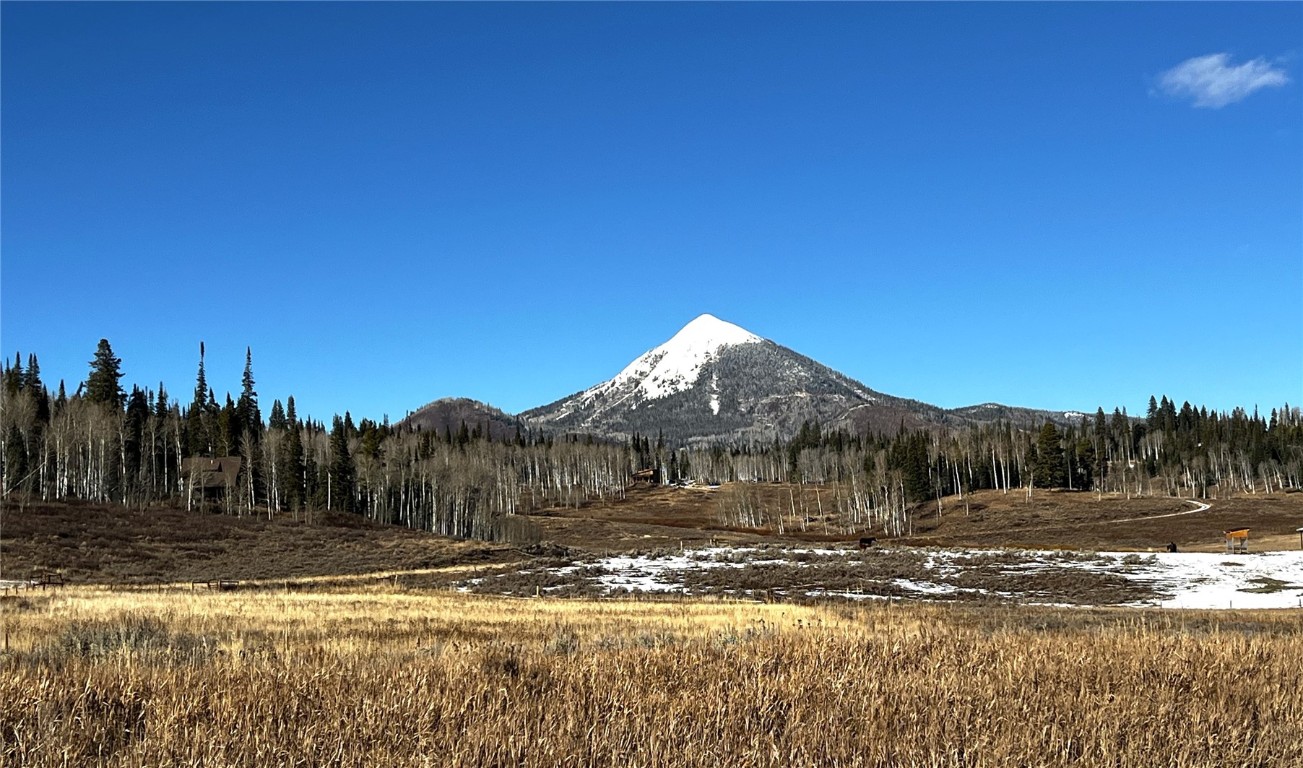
(1049, 205)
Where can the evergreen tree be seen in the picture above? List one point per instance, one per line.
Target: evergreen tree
(32, 376)
(1050, 471)
(289, 456)
(1167, 414)
(201, 380)
(161, 404)
(1120, 430)
(343, 474)
(199, 437)
(228, 429)
(908, 453)
(248, 416)
(277, 418)
(13, 375)
(133, 438)
(371, 439)
(1084, 465)
(32, 383)
(104, 384)
(294, 468)
(15, 459)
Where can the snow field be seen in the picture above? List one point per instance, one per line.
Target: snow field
(1197, 580)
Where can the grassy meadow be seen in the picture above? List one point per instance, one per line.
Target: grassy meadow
(377, 676)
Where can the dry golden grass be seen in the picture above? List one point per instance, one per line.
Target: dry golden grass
(377, 677)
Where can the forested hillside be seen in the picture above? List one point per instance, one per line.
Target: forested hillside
(104, 444)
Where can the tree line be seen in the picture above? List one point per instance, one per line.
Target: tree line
(103, 444)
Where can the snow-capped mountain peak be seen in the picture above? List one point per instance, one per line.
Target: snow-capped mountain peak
(675, 365)
(715, 381)
(706, 330)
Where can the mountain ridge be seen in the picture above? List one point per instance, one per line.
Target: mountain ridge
(716, 382)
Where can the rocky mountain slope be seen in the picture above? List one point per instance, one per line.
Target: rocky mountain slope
(714, 380)
(717, 382)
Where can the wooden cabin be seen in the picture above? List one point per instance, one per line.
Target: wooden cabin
(210, 478)
(647, 477)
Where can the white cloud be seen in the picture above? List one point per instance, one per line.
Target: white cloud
(1212, 82)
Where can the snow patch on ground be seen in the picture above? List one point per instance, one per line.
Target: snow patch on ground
(644, 574)
(925, 588)
(1214, 580)
(1197, 580)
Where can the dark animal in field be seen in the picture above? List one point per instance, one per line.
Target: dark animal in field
(1171, 547)
(867, 541)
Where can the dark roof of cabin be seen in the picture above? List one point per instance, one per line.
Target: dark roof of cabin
(217, 472)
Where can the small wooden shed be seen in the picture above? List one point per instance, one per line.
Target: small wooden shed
(648, 476)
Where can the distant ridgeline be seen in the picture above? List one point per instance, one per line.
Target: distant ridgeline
(105, 445)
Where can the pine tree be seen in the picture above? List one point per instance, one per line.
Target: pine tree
(371, 439)
(199, 438)
(293, 467)
(343, 474)
(32, 384)
(277, 418)
(1049, 467)
(249, 418)
(908, 453)
(161, 404)
(104, 384)
(32, 376)
(201, 381)
(133, 439)
(228, 429)
(15, 459)
(13, 376)
(1167, 414)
